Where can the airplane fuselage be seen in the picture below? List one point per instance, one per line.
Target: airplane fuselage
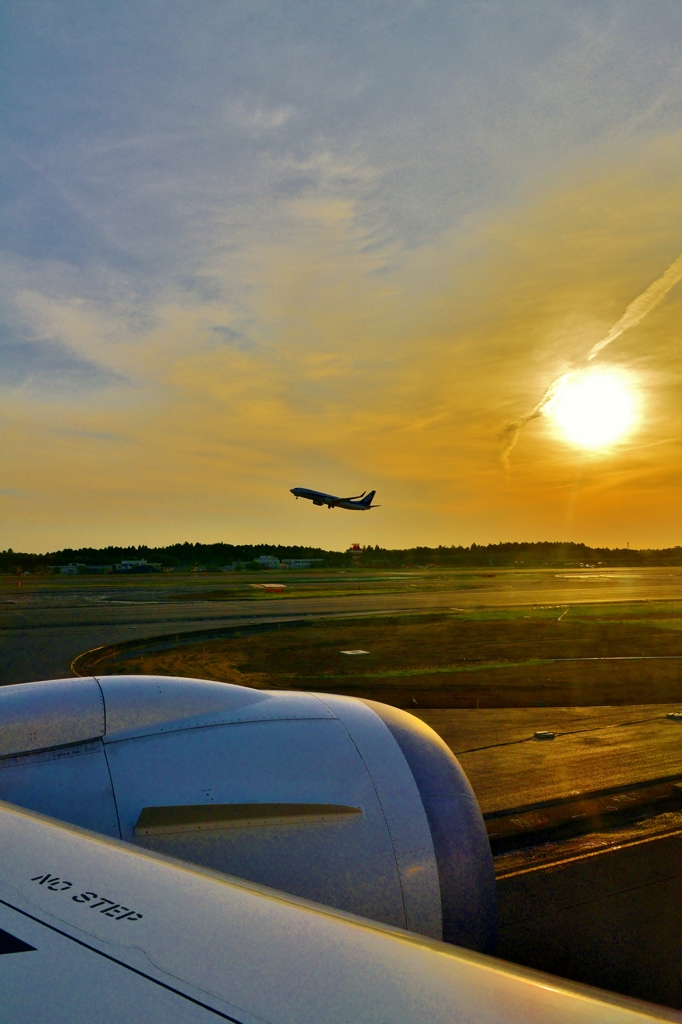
(361, 503)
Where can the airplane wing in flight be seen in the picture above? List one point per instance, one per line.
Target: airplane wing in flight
(355, 497)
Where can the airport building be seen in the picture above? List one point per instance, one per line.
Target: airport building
(272, 562)
(269, 562)
(76, 568)
(137, 565)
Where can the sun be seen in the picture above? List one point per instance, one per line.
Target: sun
(593, 408)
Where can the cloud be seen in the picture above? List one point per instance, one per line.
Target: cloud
(51, 366)
(232, 337)
(41, 218)
(256, 117)
(89, 435)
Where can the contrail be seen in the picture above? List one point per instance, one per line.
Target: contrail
(633, 315)
(642, 305)
(510, 435)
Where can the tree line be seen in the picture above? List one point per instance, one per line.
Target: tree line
(212, 557)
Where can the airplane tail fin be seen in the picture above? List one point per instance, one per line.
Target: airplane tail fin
(367, 500)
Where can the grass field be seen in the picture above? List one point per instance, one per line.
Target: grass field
(461, 659)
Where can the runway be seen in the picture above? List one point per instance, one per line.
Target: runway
(48, 621)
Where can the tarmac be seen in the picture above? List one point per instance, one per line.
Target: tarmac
(613, 920)
(588, 825)
(46, 622)
(594, 750)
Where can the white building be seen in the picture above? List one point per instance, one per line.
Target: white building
(269, 562)
(141, 564)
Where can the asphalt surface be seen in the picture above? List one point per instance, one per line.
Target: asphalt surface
(601, 748)
(613, 920)
(46, 623)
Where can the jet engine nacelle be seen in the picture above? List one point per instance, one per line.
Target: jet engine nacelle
(346, 802)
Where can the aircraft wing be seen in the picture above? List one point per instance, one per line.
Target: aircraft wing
(355, 497)
(94, 929)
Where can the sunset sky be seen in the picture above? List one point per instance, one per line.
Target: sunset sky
(249, 245)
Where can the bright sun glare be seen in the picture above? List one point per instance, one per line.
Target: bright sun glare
(592, 408)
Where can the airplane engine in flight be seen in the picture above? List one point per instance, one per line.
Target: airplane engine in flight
(343, 801)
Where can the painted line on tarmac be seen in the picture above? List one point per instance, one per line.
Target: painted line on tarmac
(547, 865)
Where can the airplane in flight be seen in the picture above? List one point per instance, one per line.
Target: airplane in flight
(177, 850)
(358, 503)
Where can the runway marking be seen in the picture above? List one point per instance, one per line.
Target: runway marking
(625, 844)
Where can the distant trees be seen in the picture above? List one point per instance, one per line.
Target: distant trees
(214, 556)
(521, 555)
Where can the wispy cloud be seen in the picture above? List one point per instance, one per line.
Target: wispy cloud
(50, 365)
(89, 435)
(229, 336)
(256, 117)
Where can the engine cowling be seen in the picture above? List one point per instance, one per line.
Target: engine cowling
(346, 802)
